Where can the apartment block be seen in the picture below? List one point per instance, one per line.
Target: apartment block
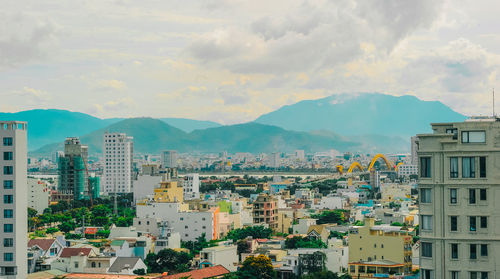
(118, 154)
(13, 174)
(73, 175)
(191, 186)
(265, 211)
(169, 159)
(459, 192)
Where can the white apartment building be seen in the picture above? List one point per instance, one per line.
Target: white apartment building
(191, 186)
(275, 160)
(407, 170)
(38, 194)
(169, 159)
(459, 186)
(13, 173)
(225, 255)
(118, 151)
(300, 154)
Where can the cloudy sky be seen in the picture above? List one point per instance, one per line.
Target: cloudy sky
(232, 60)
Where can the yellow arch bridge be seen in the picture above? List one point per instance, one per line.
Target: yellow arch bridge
(357, 165)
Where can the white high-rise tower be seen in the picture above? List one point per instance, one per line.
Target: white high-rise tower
(13, 216)
(118, 151)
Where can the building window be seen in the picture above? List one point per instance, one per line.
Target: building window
(76, 264)
(7, 141)
(426, 249)
(8, 170)
(425, 195)
(8, 228)
(427, 222)
(8, 257)
(425, 167)
(8, 213)
(8, 198)
(482, 167)
(7, 156)
(468, 167)
(8, 184)
(8, 242)
(453, 196)
(93, 264)
(472, 196)
(53, 251)
(484, 275)
(472, 224)
(427, 274)
(472, 251)
(483, 222)
(482, 194)
(454, 251)
(453, 223)
(473, 275)
(473, 137)
(453, 167)
(484, 250)
(454, 275)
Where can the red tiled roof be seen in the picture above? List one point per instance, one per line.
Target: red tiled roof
(69, 252)
(42, 243)
(203, 273)
(90, 230)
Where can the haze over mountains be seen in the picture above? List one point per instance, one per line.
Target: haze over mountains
(346, 122)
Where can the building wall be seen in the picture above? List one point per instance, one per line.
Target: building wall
(169, 159)
(118, 154)
(440, 147)
(191, 186)
(223, 255)
(169, 191)
(17, 131)
(144, 186)
(38, 194)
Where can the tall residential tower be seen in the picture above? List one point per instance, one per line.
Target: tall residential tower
(73, 177)
(459, 190)
(13, 257)
(118, 151)
(169, 159)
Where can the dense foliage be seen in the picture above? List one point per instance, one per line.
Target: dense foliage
(254, 232)
(196, 246)
(303, 242)
(168, 260)
(330, 217)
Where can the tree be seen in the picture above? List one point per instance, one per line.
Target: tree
(256, 267)
(139, 271)
(32, 212)
(300, 242)
(167, 260)
(330, 216)
(52, 230)
(254, 232)
(66, 226)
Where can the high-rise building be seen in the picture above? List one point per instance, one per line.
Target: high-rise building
(414, 148)
(300, 154)
(118, 154)
(459, 187)
(191, 186)
(169, 159)
(13, 173)
(73, 177)
(275, 160)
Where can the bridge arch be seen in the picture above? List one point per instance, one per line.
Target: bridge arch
(397, 166)
(355, 165)
(340, 169)
(387, 162)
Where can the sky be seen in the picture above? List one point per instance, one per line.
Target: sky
(231, 61)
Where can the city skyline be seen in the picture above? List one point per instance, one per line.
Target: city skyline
(232, 61)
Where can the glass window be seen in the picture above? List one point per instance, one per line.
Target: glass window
(453, 223)
(454, 275)
(425, 195)
(473, 275)
(427, 274)
(8, 184)
(8, 198)
(484, 250)
(453, 196)
(8, 257)
(468, 167)
(7, 141)
(472, 251)
(472, 196)
(472, 223)
(426, 222)
(425, 167)
(454, 250)
(482, 166)
(484, 275)
(482, 194)
(484, 222)
(8, 213)
(8, 242)
(8, 170)
(473, 137)
(426, 249)
(7, 156)
(453, 167)
(8, 228)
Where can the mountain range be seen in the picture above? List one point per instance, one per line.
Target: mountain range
(346, 122)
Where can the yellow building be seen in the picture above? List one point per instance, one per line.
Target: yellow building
(379, 249)
(284, 222)
(169, 191)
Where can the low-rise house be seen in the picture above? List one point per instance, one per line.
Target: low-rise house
(127, 265)
(73, 259)
(225, 255)
(42, 251)
(318, 232)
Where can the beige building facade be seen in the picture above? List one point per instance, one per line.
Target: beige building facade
(458, 197)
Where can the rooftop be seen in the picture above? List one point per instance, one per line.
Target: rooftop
(209, 272)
